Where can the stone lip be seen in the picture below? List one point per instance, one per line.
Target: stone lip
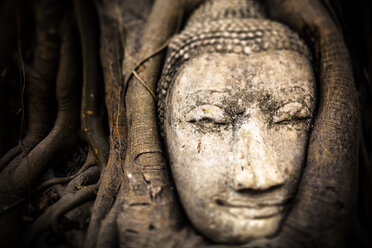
(254, 209)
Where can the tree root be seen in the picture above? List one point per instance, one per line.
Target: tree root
(40, 81)
(39, 92)
(91, 110)
(109, 186)
(89, 176)
(9, 156)
(108, 233)
(150, 211)
(41, 77)
(111, 176)
(42, 74)
(59, 140)
(52, 214)
(89, 162)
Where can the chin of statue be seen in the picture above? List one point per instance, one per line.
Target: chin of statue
(241, 224)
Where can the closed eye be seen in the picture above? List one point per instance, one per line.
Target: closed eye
(208, 113)
(290, 112)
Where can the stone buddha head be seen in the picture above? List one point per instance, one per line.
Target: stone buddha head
(236, 101)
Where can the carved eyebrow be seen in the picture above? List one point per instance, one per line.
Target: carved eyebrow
(297, 89)
(220, 98)
(304, 95)
(205, 92)
(206, 97)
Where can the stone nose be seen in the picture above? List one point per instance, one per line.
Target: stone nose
(255, 164)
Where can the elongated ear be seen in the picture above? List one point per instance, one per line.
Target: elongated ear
(322, 211)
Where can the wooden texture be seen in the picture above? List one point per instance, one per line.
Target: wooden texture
(321, 215)
(149, 213)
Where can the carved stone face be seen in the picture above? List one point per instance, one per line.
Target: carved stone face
(236, 130)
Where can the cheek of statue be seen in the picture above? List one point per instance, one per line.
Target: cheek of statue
(236, 131)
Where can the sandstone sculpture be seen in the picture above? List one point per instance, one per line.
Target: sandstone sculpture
(236, 102)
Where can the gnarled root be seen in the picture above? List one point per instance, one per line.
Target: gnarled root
(91, 110)
(89, 162)
(23, 170)
(108, 233)
(111, 175)
(109, 186)
(51, 216)
(61, 138)
(41, 77)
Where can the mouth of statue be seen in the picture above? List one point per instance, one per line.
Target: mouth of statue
(253, 210)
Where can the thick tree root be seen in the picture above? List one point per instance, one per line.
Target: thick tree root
(40, 81)
(89, 162)
(91, 109)
(109, 186)
(111, 176)
(60, 139)
(65, 204)
(41, 78)
(108, 234)
(90, 176)
(25, 169)
(39, 90)
(150, 211)
(9, 156)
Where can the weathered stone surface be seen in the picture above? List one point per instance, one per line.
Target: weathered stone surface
(236, 102)
(237, 130)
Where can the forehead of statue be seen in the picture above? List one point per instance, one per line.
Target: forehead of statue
(280, 73)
